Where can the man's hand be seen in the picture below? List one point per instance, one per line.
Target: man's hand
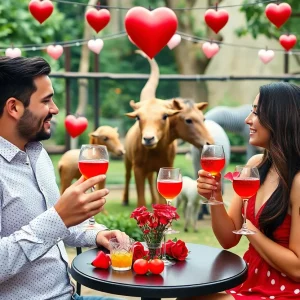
(75, 205)
(103, 237)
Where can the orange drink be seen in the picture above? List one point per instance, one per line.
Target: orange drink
(121, 260)
(121, 253)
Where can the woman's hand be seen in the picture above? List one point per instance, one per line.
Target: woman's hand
(206, 183)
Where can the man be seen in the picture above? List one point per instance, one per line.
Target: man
(35, 221)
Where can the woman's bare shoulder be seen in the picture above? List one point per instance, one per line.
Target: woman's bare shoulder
(255, 160)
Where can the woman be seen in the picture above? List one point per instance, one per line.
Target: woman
(273, 256)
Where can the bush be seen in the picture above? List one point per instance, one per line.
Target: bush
(121, 222)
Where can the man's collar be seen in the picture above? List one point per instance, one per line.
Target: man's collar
(9, 150)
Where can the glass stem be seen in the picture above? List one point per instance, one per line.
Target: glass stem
(245, 205)
(212, 196)
(92, 219)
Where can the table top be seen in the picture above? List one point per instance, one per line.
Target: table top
(206, 270)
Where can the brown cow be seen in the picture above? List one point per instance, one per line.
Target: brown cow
(147, 143)
(68, 164)
(187, 124)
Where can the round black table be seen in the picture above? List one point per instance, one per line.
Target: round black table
(206, 270)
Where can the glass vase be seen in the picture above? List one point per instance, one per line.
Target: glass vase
(154, 250)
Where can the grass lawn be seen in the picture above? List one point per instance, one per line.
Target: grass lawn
(115, 176)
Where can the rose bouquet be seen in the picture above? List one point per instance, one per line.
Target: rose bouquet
(153, 224)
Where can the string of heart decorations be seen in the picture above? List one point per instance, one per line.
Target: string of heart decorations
(151, 30)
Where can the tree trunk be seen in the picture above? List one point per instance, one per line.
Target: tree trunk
(189, 56)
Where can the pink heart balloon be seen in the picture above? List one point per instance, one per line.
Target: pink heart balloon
(75, 126)
(95, 45)
(266, 55)
(174, 41)
(55, 51)
(13, 52)
(210, 49)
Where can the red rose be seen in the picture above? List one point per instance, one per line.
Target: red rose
(138, 251)
(169, 244)
(179, 250)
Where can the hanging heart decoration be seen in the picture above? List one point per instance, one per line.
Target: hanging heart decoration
(95, 45)
(216, 19)
(278, 14)
(97, 18)
(174, 41)
(131, 40)
(75, 126)
(41, 10)
(55, 51)
(150, 30)
(210, 49)
(13, 52)
(266, 55)
(288, 41)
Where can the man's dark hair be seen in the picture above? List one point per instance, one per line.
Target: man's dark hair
(17, 78)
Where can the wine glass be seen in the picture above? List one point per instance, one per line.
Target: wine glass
(169, 185)
(245, 183)
(213, 161)
(93, 161)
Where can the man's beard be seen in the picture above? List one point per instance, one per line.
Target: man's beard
(29, 123)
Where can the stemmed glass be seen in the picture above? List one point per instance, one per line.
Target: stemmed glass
(213, 161)
(169, 185)
(93, 161)
(245, 183)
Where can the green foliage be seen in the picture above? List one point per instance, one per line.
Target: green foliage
(122, 222)
(257, 22)
(18, 27)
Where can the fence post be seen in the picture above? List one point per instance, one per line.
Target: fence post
(68, 92)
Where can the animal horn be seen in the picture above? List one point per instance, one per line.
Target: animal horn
(149, 90)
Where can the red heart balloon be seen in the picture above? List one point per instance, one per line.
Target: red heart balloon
(150, 30)
(216, 19)
(288, 41)
(41, 10)
(97, 19)
(75, 126)
(278, 14)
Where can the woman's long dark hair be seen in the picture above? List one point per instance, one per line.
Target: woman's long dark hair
(279, 111)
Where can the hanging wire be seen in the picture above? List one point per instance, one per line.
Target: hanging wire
(175, 9)
(192, 38)
(78, 42)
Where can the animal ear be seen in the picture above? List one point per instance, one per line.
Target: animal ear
(172, 112)
(177, 104)
(116, 129)
(134, 105)
(201, 105)
(93, 137)
(131, 115)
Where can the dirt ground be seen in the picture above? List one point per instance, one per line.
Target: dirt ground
(115, 192)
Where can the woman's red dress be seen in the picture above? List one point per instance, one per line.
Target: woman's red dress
(263, 281)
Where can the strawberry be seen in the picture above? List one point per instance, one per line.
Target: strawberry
(102, 260)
